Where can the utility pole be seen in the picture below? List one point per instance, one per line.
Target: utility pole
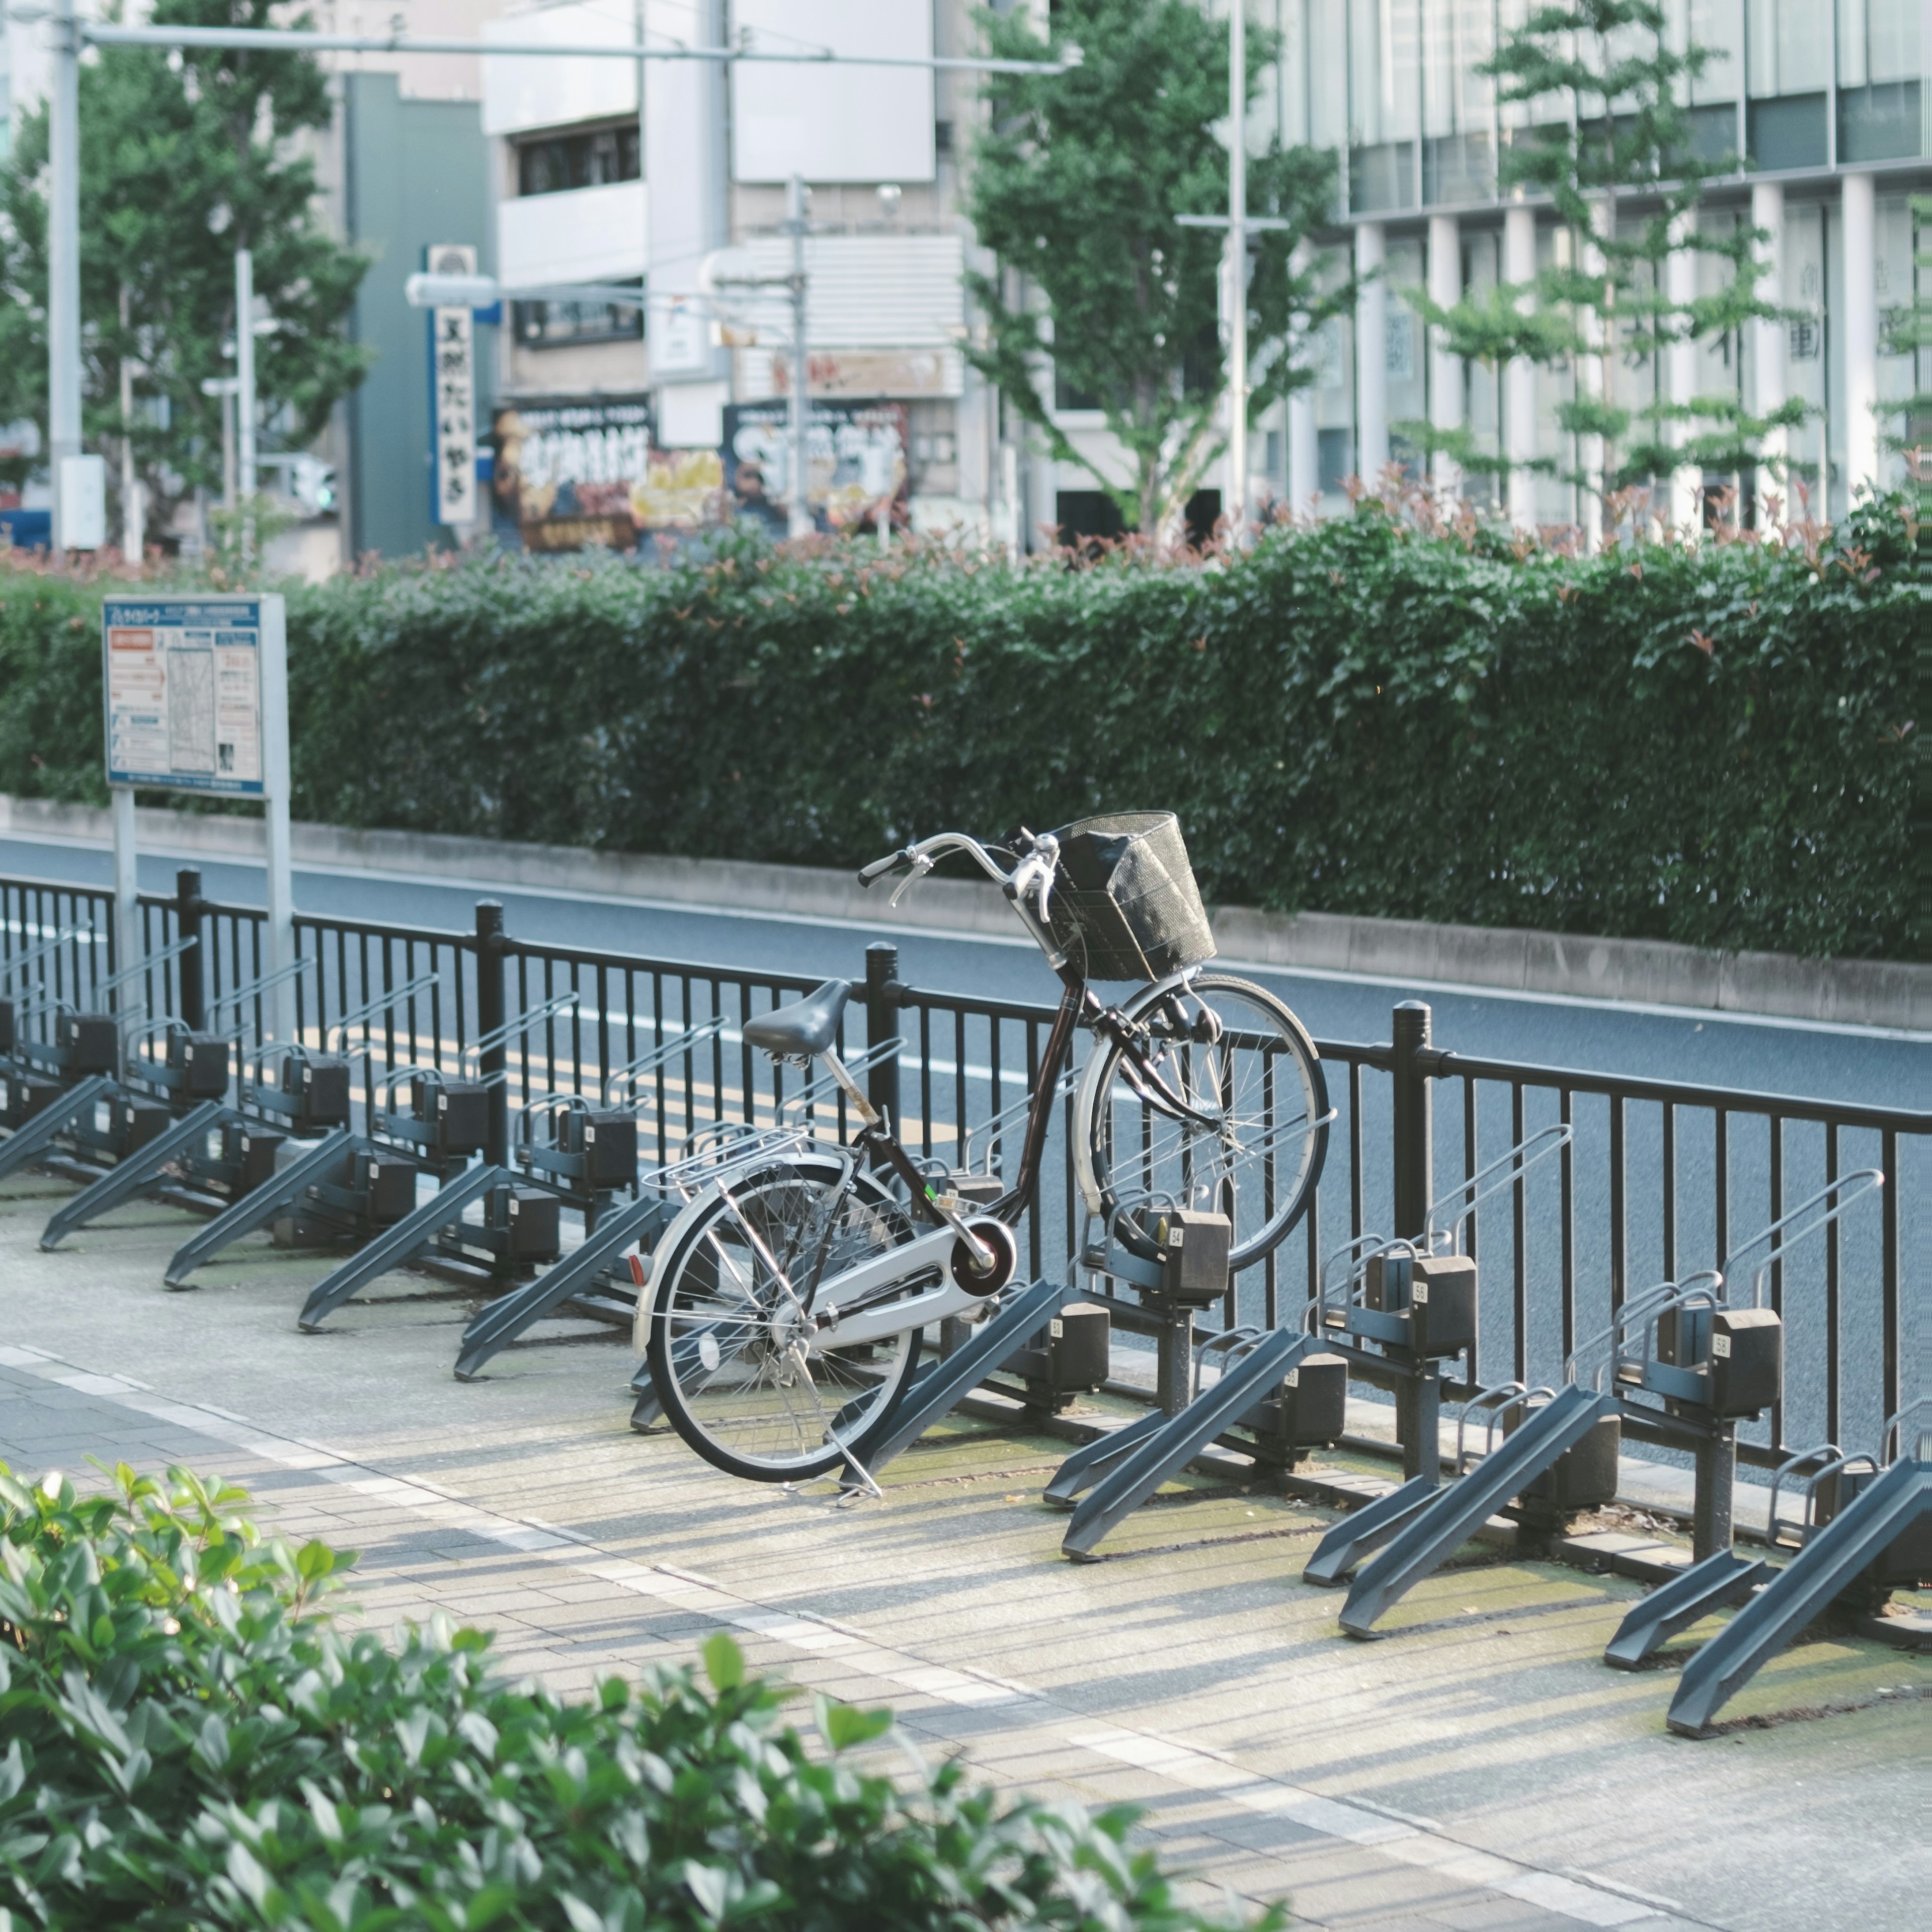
(132, 535)
(63, 258)
(1236, 505)
(800, 524)
(245, 397)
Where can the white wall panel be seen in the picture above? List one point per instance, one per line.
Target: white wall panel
(585, 235)
(833, 123)
(521, 91)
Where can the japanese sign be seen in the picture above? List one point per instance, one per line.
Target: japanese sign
(575, 470)
(857, 452)
(452, 376)
(184, 681)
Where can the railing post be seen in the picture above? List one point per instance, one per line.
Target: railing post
(1419, 1400)
(1415, 1124)
(882, 987)
(490, 1018)
(188, 976)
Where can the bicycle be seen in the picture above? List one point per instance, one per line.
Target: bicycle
(788, 1303)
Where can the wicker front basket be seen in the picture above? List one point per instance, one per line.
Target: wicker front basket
(1125, 905)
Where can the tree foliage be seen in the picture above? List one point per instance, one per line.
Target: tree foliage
(1632, 140)
(185, 156)
(1076, 187)
(189, 1743)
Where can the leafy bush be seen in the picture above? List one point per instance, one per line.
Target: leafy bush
(190, 1742)
(1713, 744)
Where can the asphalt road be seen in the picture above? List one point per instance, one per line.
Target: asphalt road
(1860, 1066)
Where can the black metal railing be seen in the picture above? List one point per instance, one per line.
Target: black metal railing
(1660, 1178)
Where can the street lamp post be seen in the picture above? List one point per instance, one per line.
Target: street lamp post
(245, 397)
(63, 260)
(1237, 506)
(799, 524)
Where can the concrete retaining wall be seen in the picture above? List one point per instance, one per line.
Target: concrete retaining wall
(1846, 991)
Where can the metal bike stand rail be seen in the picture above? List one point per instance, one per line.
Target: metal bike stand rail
(195, 1068)
(333, 1179)
(136, 1174)
(1887, 1516)
(1717, 1583)
(447, 1121)
(45, 1077)
(1367, 1529)
(492, 1328)
(1162, 1453)
(52, 1119)
(329, 1163)
(1437, 1530)
(992, 1343)
(400, 1243)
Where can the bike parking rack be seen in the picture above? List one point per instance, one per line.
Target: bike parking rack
(587, 1276)
(1714, 1363)
(1272, 1364)
(1880, 1537)
(1426, 1541)
(341, 1181)
(444, 1123)
(69, 1086)
(990, 1344)
(1406, 1304)
(194, 1070)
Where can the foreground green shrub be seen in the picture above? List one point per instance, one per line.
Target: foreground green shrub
(190, 1743)
(1712, 744)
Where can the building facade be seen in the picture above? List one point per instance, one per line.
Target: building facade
(673, 182)
(1827, 100)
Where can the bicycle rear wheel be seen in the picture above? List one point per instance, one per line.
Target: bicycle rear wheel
(730, 1321)
(1241, 1060)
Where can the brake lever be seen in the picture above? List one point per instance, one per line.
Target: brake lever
(920, 866)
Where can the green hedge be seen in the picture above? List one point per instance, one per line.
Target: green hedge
(1711, 745)
(188, 1743)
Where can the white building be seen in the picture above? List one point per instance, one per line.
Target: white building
(690, 205)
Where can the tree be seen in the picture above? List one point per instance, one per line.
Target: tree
(1631, 136)
(1075, 188)
(185, 156)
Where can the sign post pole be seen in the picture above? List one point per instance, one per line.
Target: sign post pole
(126, 885)
(275, 810)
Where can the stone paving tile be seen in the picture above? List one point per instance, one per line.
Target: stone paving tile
(1198, 1633)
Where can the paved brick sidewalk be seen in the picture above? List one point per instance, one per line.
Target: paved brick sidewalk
(1481, 1770)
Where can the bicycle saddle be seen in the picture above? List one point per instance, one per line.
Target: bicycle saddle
(804, 1029)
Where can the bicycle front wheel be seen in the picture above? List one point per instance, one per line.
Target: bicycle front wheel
(1254, 1133)
(730, 1321)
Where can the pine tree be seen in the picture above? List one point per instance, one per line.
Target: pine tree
(186, 156)
(1632, 137)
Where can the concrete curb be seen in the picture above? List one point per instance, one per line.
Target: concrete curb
(1861, 992)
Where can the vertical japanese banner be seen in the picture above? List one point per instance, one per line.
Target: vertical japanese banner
(452, 375)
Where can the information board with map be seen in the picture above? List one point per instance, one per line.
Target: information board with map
(184, 687)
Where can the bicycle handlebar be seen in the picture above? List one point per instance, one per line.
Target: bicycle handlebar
(879, 867)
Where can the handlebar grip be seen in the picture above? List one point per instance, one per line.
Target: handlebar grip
(879, 867)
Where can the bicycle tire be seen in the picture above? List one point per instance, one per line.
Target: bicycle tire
(1163, 1166)
(732, 1403)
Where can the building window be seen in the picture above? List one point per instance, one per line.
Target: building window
(559, 162)
(546, 324)
(1880, 122)
(1788, 132)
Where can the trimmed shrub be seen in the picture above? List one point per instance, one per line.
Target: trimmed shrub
(189, 1742)
(1711, 745)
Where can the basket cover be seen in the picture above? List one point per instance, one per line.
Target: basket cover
(1125, 905)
